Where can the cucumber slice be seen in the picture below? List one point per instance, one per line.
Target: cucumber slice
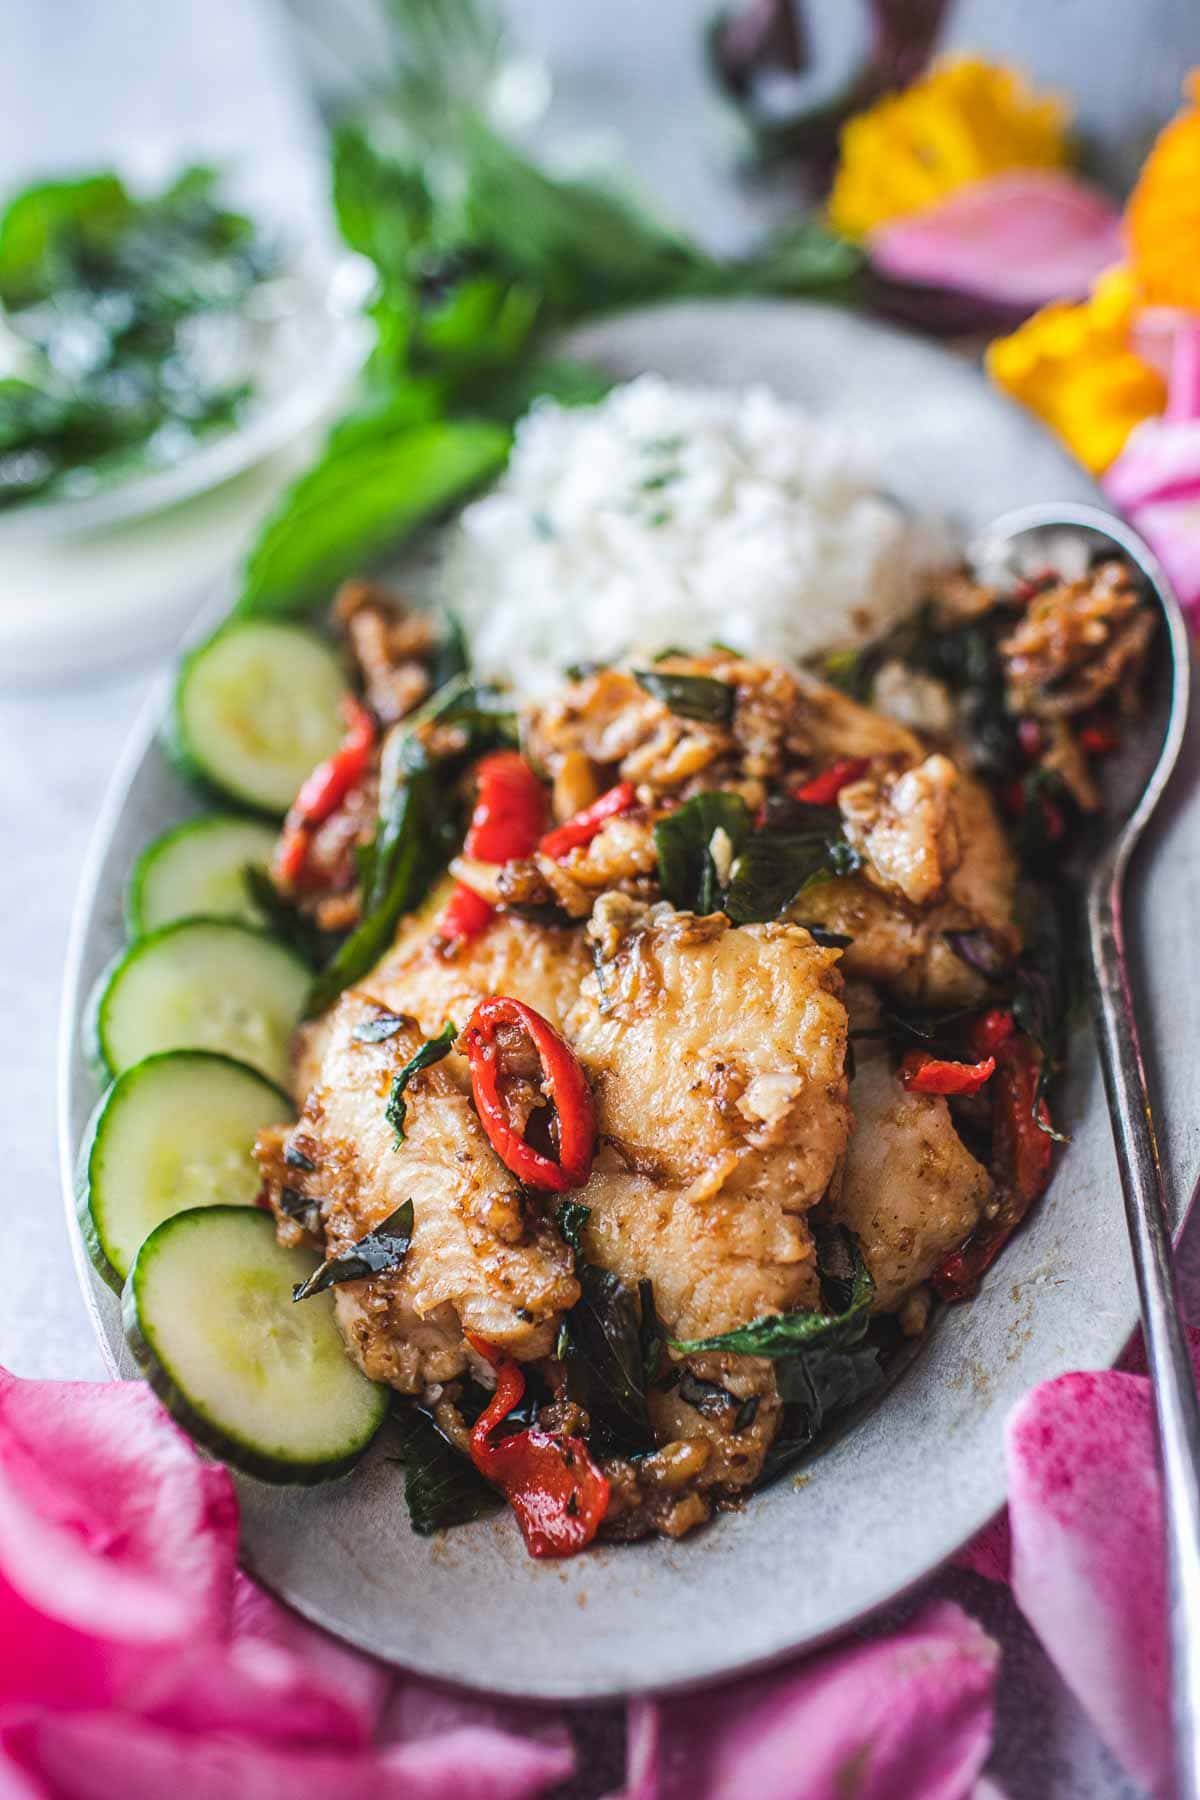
(255, 709)
(195, 871)
(174, 1132)
(202, 984)
(261, 1380)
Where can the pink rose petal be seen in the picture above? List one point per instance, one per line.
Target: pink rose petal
(1087, 1554)
(114, 1538)
(989, 1553)
(1024, 238)
(96, 1756)
(907, 1717)
(421, 1709)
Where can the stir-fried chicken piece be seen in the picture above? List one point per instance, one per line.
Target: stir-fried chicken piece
(1077, 642)
(716, 1057)
(910, 1190)
(390, 644)
(483, 1258)
(902, 944)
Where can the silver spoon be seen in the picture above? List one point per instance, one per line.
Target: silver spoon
(1019, 543)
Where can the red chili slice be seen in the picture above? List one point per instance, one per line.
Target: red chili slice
(510, 809)
(583, 826)
(562, 1079)
(990, 1030)
(557, 1492)
(324, 791)
(824, 788)
(922, 1073)
(1099, 739)
(467, 914)
(1021, 1154)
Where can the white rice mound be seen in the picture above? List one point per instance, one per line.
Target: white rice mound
(670, 515)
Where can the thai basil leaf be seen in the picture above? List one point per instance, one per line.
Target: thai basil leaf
(430, 1052)
(783, 1335)
(603, 1343)
(381, 1251)
(689, 696)
(305, 1209)
(1047, 981)
(815, 1390)
(707, 1397)
(378, 1030)
(442, 1487)
(420, 825)
(686, 870)
(571, 1218)
(774, 866)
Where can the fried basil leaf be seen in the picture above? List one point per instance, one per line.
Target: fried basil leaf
(603, 1346)
(687, 871)
(430, 1052)
(776, 865)
(287, 921)
(378, 1030)
(381, 1251)
(689, 696)
(442, 1487)
(571, 1218)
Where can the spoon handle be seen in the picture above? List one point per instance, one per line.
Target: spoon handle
(1166, 1344)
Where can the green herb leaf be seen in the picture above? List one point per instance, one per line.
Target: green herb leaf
(430, 1052)
(775, 866)
(571, 1218)
(442, 1487)
(689, 696)
(381, 1251)
(605, 1360)
(356, 502)
(782, 1335)
(378, 1030)
(683, 839)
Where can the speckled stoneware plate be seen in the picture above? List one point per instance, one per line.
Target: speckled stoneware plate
(907, 1486)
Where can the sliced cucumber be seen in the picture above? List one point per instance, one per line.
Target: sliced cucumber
(255, 709)
(196, 870)
(261, 1380)
(202, 984)
(174, 1132)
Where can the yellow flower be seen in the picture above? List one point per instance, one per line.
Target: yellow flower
(965, 120)
(1073, 367)
(1163, 216)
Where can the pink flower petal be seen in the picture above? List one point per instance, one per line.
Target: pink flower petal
(114, 1537)
(1172, 529)
(1024, 238)
(420, 1709)
(1160, 461)
(1087, 1554)
(989, 1553)
(1155, 337)
(907, 1717)
(94, 1756)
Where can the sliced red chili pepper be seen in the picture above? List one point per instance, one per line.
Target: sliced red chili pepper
(324, 790)
(583, 826)
(510, 809)
(990, 1030)
(1100, 739)
(466, 915)
(1021, 1154)
(555, 1489)
(824, 788)
(562, 1079)
(922, 1073)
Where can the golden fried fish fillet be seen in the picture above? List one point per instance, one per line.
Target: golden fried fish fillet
(716, 1057)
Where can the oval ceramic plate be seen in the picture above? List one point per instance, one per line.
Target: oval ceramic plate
(910, 1483)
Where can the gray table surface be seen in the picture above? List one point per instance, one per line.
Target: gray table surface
(78, 81)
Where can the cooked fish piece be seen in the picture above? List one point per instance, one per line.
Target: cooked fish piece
(540, 964)
(484, 1256)
(947, 845)
(910, 1190)
(716, 1057)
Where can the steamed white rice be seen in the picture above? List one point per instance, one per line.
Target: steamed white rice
(679, 515)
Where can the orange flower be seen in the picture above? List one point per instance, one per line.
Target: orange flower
(965, 120)
(1073, 367)
(1163, 216)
